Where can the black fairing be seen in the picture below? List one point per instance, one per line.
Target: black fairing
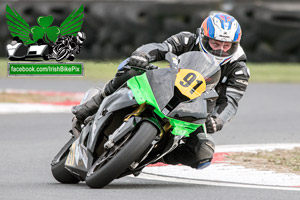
(117, 101)
(186, 111)
(63, 152)
(162, 83)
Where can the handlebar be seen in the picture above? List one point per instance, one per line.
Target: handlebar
(149, 67)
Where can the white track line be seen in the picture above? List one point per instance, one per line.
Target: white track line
(13, 108)
(255, 147)
(224, 174)
(211, 183)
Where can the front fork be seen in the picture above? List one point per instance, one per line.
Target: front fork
(129, 123)
(166, 128)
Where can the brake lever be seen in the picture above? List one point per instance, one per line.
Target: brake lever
(151, 67)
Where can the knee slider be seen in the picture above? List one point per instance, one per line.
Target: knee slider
(206, 150)
(203, 164)
(205, 155)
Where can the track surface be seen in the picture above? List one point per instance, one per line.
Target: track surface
(268, 114)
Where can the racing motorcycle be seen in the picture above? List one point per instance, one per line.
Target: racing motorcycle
(141, 122)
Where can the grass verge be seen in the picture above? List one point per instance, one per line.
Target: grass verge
(274, 72)
(260, 72)
(6, 97)
(278, 160)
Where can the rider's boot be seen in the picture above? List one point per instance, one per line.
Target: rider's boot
(88, 108)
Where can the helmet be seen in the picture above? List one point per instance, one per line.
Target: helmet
(80, 37)
(219, 36)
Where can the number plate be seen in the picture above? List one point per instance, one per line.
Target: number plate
(190, 83)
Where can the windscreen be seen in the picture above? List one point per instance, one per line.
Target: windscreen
(162, 81)
(198, 61)
(196, 109)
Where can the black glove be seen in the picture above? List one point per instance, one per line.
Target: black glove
(213, 124)
(139, 59)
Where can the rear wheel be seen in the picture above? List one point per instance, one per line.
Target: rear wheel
(117, 159)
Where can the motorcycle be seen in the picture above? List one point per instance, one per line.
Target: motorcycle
(141, 122)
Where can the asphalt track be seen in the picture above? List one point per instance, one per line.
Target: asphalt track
(269, 113)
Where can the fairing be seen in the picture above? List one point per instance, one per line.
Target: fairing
(156, 88)
(117, 101)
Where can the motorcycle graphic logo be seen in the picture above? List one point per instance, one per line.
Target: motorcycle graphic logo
(45, 41)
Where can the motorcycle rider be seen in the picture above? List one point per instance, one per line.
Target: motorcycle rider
(219, 37)
(70, 42)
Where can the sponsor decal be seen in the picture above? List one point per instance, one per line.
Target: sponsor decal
(240, 72)
(186, 40)
(242, 81)
(176, 39)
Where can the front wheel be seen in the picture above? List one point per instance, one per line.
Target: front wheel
(62, 54)
(61, 174)
(116, 160)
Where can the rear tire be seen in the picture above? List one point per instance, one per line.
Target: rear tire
(130, 152)
(61, 174)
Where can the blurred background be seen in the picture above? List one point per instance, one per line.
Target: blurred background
(115, 28)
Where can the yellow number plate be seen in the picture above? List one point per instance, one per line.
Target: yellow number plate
(190, 83)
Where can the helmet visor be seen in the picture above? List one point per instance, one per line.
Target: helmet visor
(219, 48)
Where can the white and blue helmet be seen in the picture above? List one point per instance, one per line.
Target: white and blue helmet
(221, 27)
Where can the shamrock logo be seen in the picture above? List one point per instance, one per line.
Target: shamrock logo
(45, 30)
(18, 27)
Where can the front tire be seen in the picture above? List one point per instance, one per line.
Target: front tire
(129, 152)
(61, 174)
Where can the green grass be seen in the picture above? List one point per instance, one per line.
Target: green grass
(3, 67)
(105, 70)
(280, 160)
(275, 72)
(260, 72)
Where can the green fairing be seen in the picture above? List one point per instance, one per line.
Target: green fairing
(142, 92)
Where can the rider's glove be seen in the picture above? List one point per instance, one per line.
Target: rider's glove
(213, 124)
(139, 59)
